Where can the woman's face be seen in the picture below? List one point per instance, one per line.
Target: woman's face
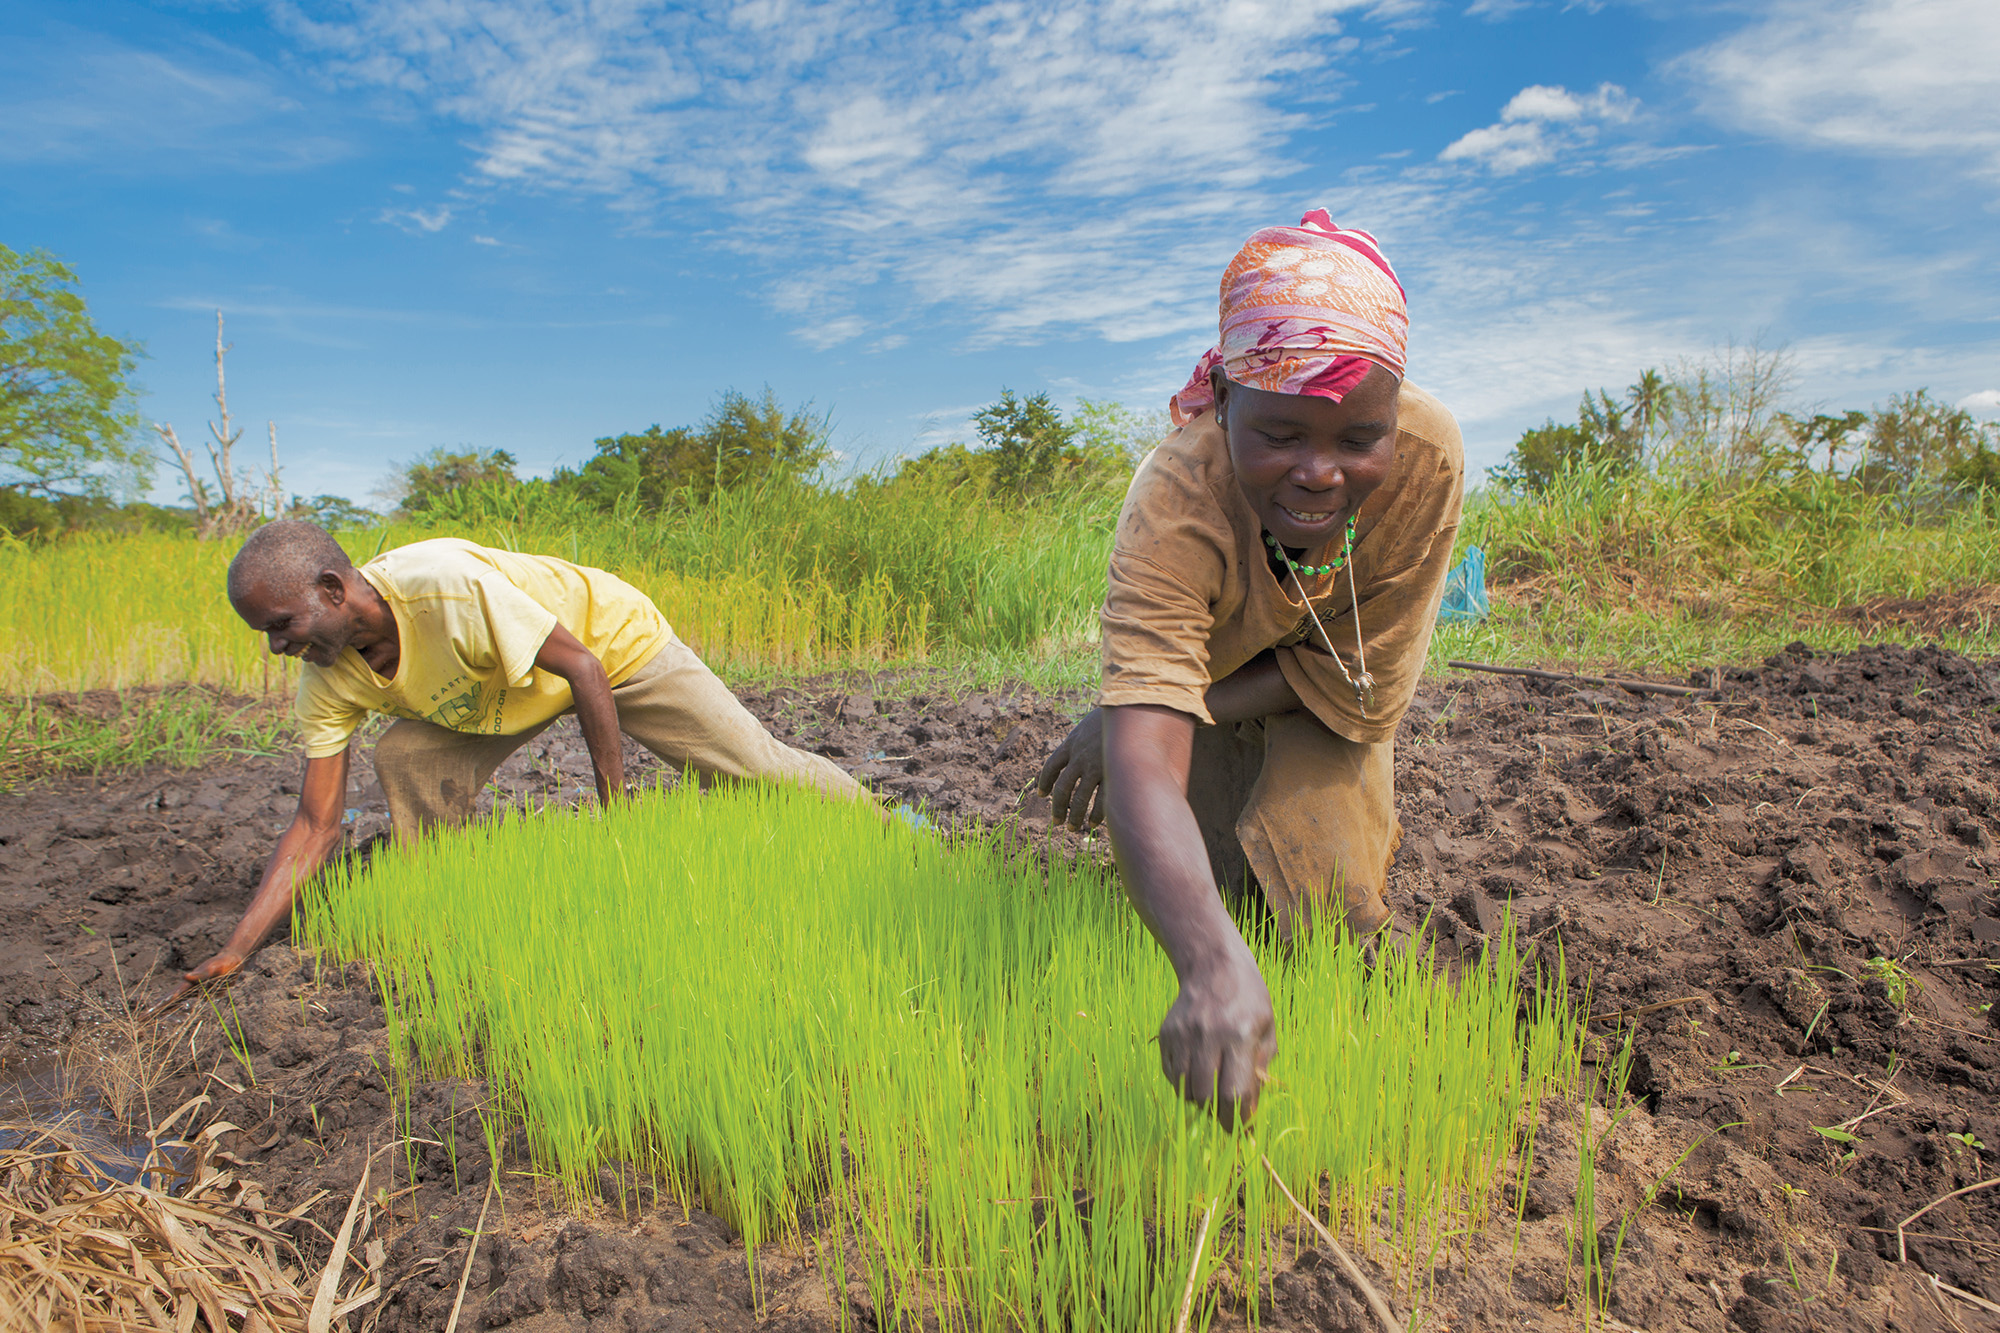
(1305, 464)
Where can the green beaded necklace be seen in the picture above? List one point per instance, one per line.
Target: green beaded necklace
(1316, 571)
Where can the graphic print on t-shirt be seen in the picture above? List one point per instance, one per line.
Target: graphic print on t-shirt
(459, 710)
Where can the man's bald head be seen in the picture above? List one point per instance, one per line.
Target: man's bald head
(284, 559)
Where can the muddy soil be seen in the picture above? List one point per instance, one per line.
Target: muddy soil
(1723, 872)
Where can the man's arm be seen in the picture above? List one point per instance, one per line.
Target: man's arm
(1218, 1038)
(563, 655)
(304, 847)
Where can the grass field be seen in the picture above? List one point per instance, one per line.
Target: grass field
(1648, 572)
(943, 1057)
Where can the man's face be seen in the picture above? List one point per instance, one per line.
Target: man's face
(1305, 464)
(312, 622)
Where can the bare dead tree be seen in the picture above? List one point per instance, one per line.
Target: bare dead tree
(274, 489)
(227, 507)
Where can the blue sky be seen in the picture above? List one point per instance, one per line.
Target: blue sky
(523, 224)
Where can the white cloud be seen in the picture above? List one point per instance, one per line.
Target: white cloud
(427, 221)
(484, 240)
(1539, 124)
(1032, 165)
(1985, 403)
(1495, 10)
(1877, 76)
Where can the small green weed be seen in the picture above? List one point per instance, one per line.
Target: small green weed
(1895, 978)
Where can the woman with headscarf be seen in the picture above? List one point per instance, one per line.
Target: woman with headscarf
(1273, 585)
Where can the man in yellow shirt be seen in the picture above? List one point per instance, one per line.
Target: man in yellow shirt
(475, 651)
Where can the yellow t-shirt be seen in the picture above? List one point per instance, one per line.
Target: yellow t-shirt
(470, 621)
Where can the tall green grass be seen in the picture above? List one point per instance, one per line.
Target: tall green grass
(933, 1065)
(1682, 569)
(754, 581)
(1647, 569)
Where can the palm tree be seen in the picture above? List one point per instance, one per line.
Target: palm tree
(1648, 400)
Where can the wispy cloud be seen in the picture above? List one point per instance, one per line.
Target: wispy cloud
(1540, 124)
(423, 221)
(1985, 403)
(116, 106)
(1026, 165)
(1495, 10)
(1878, 76)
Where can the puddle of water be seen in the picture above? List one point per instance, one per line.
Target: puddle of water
(34, 1100)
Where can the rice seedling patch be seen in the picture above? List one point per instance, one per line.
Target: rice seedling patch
(930, 1062)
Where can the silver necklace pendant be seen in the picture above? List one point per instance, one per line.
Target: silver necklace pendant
(1364, 692)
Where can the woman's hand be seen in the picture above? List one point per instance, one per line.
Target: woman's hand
(1073, 778)
(1219, 1037)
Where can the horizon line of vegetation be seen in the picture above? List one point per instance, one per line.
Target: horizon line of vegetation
(1691, 521)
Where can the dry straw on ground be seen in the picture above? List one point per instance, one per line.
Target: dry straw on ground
(83, 1251)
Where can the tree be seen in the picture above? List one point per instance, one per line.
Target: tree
(1028, 439)
(1541, 454)
(1111, 438)
(332, 512)
(1027, 449)
(67, 419)
(1601, 435)
(1917, 439)
(949, 467)
(743, 442)
(1821, 428)
(750, 442)
(1977, 473)
(433, 474)
(231, 506)
(1650, 399)
(644, 465)
(1722, 413)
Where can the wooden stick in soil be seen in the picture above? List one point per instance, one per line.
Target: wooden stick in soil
(1532, 673)
(1187, 1292)
(1902, 1252)
(1346, 1261)
(1965, 1296)
(471, 1253)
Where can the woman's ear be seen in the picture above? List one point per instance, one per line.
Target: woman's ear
(1218, 386)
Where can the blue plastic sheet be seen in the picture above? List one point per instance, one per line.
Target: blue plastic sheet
(1465, 598)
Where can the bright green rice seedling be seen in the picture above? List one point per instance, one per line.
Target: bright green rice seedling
(940, 1061)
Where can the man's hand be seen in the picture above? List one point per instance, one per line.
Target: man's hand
(1219, 1037)
(1074, 774)
(307, 842)
(224, 965)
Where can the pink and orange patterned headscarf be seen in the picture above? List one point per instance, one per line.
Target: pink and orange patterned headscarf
(1306, 309)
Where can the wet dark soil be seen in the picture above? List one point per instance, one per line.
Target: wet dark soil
(1724, 872)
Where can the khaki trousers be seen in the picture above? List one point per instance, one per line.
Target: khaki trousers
(1305, 815)
(673, 705)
